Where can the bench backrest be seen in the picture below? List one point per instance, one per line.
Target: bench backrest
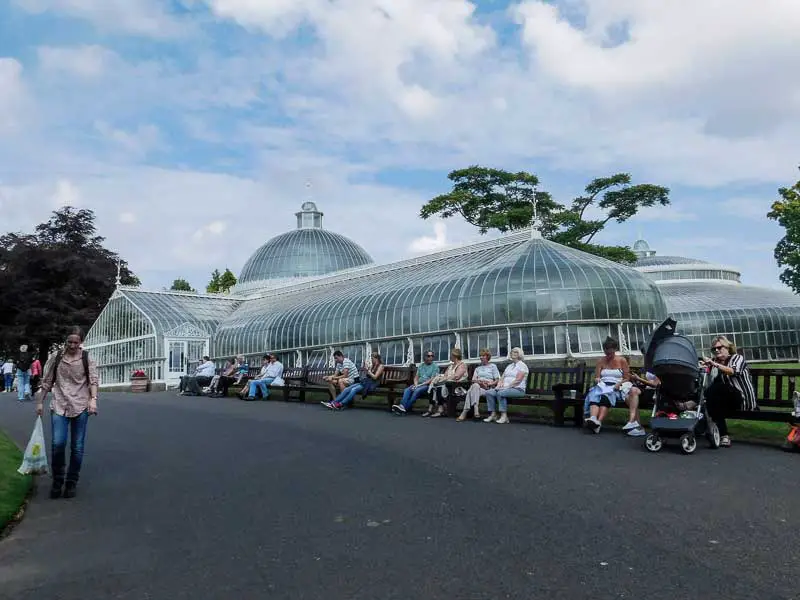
(315, 375)
(542, 379)
(774, 387)
(398, 375)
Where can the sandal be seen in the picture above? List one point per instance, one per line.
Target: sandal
(427, 413)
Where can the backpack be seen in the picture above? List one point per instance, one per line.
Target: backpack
(60, 356)
(25, 361)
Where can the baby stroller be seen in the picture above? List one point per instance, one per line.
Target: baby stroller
(679, 408)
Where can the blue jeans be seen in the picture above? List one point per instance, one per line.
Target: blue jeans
(492, 396)
(260, 384)
(348, 393)
(412, 394)
(76, 428)
(9, 381)
(23, 383)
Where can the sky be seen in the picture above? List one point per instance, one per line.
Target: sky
(193, 128)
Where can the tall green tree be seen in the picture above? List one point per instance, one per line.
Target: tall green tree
(496, 199)
(786, 212)
(58, 277)
(181, 285)
(213, 284)
(227, 281)
(221, 282)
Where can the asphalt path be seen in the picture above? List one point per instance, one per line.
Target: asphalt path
(206, 498)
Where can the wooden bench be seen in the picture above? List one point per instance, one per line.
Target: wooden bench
(556, 388)
(774, 389)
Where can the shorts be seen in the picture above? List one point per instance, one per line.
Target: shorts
(603, 402)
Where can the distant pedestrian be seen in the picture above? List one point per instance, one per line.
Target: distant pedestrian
(36, 374)
(8, 375)
(72, 377)
(24, 363)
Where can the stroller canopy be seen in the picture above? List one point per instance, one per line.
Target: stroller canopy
(668, 352)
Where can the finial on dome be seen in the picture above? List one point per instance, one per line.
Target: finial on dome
(536, 223)
(309, 216)
(118, 281)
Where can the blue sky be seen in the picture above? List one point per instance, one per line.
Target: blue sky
(191, 127)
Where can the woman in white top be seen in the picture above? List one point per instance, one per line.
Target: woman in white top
(486, 377)
(612, 384)
(512, 385)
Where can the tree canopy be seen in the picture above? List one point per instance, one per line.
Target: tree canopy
(495, 199)
(58, 277)
(786, 212)
(181, 285)
(221, 282)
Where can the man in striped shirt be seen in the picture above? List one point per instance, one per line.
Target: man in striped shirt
(346, 374)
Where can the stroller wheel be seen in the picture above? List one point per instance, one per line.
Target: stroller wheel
(688, 443)
(713, 435)
(653, 442)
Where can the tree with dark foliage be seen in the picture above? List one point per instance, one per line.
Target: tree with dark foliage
(786, 212)
(495, 199)
(57, 278)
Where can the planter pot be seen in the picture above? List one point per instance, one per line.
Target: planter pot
(140, 384)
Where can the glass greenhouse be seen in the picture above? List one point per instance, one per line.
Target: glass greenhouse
(708, 300)
(308, 292)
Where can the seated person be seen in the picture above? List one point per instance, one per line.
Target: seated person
(456, 372)
(243, 372)
(512, 385)
(485, 378)
(345, 375)
(272, 372)
(244, 393)
(612, 385)
(367, 382)
(426, 371)
(191, 385)
(223, 380)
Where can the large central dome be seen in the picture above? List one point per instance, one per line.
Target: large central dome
(308, 251)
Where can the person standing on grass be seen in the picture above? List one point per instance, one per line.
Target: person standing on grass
(72, 378)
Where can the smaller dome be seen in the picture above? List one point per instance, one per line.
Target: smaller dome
(641, 246)
(658, 261)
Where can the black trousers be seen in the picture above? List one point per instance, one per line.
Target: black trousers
(722, 401)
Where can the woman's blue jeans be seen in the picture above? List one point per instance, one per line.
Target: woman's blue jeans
(23, 384)
(493, 396)
(8, 381)
(347, 394)
(260, 384)
(75, 428)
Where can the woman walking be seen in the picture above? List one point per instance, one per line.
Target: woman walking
(72, 377)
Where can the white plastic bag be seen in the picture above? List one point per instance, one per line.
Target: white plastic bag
(35, 460)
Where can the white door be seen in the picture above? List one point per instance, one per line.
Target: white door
(182, 358)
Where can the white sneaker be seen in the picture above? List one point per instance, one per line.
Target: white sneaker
(503, 420)
(631, 425)
(399, 408)
(490, 419)
(638, 432)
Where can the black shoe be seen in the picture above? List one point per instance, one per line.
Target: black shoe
(69, 490)
(55, 491)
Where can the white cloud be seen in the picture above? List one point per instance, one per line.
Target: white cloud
(84, 61)
(664, 214)
(426, 243)
(746, 207)
(127, 218)
(12, 94)
(66, 194)
(144, 17)
(137, 142)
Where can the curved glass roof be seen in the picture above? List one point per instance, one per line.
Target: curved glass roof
(514, 280)
(683, 297)
(658, 261)
(169, 310)
(303, 253)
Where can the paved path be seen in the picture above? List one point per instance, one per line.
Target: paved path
(202, 498)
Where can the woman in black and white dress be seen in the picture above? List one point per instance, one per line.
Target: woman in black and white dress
(731, 388)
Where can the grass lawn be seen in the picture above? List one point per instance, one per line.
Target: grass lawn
(13, 486)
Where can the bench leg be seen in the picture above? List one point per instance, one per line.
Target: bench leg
(559, 407)
(452, 406)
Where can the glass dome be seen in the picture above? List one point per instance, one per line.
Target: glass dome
(549, 299)
(308, 251)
